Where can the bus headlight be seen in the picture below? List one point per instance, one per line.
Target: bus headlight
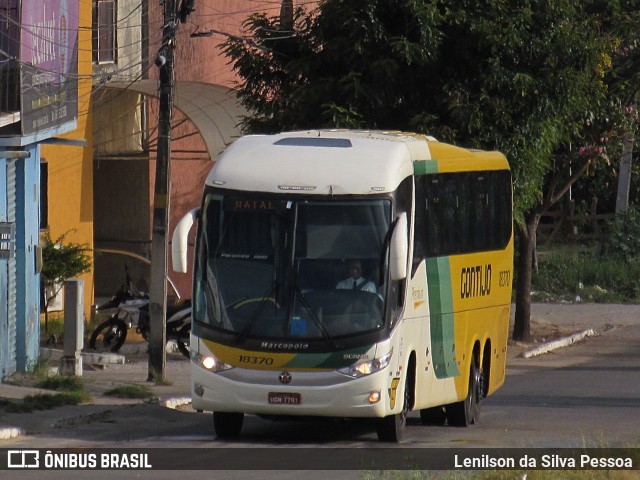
(209, 362)
(363, 369)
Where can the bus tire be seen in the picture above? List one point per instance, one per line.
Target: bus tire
(392, 427)
(467, 412)
(227, 424)
(433, 416)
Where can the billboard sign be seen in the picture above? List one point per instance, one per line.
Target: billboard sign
(49, 64)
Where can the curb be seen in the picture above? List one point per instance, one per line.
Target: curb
(173, 403)
(7, 433)
(562, 342)
(79, 419)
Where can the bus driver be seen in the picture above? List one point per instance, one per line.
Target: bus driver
(356, 281)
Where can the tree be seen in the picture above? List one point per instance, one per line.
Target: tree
(530, 81)
(60, 261)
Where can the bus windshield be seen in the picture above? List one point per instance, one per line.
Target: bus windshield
(291, 269)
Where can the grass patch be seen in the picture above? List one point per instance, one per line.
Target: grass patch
(70, 391)
(52, 333)
(502, 475)
(559, 475)
(158, 379)
(566, 273)
(39, 367)
(130, 391)
(45, 401)
(62, 382)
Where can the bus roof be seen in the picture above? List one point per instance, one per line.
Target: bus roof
(340, 161)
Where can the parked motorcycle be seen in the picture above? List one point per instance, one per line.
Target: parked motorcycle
(132, 310)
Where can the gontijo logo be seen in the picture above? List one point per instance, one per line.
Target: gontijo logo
(475, 281)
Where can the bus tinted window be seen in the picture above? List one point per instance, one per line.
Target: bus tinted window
(460, 213)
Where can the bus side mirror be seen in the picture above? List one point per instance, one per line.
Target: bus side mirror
(399, 249)
(180, 239)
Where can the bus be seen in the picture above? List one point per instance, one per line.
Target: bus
(285, 221)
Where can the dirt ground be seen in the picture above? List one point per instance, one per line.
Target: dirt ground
(542, 331)
(550, 321)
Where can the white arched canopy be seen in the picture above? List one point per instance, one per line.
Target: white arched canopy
(213, 109)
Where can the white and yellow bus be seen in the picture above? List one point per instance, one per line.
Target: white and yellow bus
(278, 328)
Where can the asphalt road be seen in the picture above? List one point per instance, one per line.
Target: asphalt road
(586, 395)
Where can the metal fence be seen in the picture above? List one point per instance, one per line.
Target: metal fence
(565, 225)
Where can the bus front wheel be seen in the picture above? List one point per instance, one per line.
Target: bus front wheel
(391, 428)
(227, 424)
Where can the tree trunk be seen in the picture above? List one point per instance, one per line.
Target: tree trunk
(45, 307)
(526, 252)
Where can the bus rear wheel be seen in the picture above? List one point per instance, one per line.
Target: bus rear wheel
(467, 412)
(227, 424)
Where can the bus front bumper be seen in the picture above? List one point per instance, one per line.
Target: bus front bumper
(327, 394)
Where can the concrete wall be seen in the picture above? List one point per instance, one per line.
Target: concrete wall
(27, 240)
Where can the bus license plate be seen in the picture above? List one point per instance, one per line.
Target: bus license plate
(278, 398)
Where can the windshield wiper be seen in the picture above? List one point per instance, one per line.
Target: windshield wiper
(325, 334)
(242, 336)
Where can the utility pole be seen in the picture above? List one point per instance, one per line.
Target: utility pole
(624, 174)
(159, 243)
(161, 199)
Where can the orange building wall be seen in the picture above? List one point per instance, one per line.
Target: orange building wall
(70, 192)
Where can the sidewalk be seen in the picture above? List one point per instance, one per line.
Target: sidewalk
(552, 326)
(101, 373)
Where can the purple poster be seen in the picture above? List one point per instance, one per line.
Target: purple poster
(49, 59)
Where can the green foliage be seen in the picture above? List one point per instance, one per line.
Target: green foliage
(565, 274)
(550, 83)
(70, 390)
(500, 475)
(62, 382)
(528, 81)
(130, 391)
(556, 475)
(45, 401)
(39, 367)
(624, 242)
(356, 64)
(61, 261)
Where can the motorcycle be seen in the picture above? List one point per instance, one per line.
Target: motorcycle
(132, 310)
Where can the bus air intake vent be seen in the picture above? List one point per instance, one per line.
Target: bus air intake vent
(314, 142)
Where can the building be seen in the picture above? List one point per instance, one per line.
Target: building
(40, 88)
(205, 121)
(78, 117)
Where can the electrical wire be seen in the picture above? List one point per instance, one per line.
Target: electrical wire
(122, 70)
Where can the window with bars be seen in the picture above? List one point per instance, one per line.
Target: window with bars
(9, 53)
(104, 31)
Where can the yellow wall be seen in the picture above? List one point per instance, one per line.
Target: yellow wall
(70, 192)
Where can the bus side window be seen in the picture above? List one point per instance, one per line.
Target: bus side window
(434, 216)
(419, 230)
(397, 288)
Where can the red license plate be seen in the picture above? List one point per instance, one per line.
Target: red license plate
(279, 398)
